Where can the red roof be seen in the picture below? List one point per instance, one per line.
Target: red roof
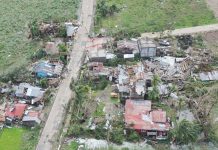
(33, 114)
(137, 107)
(16, 111)
(159, 116)
(138, 115)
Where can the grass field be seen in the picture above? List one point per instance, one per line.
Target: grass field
(156, 15)
(11, 139)
(15, 47)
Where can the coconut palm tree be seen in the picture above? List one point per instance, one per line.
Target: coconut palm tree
(154, 93)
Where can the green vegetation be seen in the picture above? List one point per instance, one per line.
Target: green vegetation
(101, 84)
(136, 16)
(73, 146)
(154, 93)
(99, 110)
(15, 47)
(43, 83)
(30, 138)
(185, 132)
(11, 139)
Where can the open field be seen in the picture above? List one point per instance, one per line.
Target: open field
(15, 47)
(11, 139)
(155, 15)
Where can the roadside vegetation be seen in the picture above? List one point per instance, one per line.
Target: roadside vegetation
(16, 47)
(133, 17)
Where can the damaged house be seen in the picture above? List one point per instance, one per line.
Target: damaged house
(147, 122)
(133, 81)
(127, 48)
(14, 112)
(47, 70)
(31, 119)
(97, 49)
(175, 68)
(30, 93)
(98, 69)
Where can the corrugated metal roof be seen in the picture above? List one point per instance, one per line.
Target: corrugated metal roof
(209, 76)
(138, 116)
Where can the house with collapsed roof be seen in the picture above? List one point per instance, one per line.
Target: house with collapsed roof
(147, 122)
(133, 81)
(14, 112)
(127, 48)
(97, 49)
(45, 69)
(173, 68)
(147, 48)
(98, 69)
(30, 94)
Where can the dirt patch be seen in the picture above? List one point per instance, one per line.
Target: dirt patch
(211, 41)
(213, 4)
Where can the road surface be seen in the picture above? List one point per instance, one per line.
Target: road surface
(213, 5)
(50, 134)
(183, 31)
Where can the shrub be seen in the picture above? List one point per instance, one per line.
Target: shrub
(34, 29)
(132, 136)
(39, 55)
(117, 136)
(43, 83)
(62, 48)
(62, 32)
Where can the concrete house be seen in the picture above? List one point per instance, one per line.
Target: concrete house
(147, 48)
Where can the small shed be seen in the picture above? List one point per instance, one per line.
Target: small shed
(147, 48)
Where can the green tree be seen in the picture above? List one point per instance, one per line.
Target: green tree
(154, 94)
(133, 136)
(185, 132)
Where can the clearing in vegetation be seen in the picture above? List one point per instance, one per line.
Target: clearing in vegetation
(15, 47)
(11, 139)
(136, 16)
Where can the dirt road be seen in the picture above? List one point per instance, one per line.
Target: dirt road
(183, 31)
(213, 5)
(54, 124)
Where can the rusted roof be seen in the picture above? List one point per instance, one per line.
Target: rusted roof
(138, 115)
(16, 111)
(159, 116)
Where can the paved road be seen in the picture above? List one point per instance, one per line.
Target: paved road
(184, 31)
(54, 124)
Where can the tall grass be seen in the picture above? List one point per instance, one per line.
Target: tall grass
(156, 15)
(15, 47)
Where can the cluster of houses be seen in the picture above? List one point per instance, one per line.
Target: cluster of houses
(22, 103)
(132, 83)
